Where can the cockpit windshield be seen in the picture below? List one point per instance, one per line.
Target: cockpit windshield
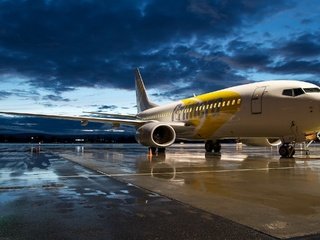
(311, 90)
(293, 92)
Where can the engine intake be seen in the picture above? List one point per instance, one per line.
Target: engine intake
(156, 135)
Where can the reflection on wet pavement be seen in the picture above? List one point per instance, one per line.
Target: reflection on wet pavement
(249, 185)
(240, 184)
(44, 196)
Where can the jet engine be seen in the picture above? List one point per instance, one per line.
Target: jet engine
(263, 142)
(156, 135)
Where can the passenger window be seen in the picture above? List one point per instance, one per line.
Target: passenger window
(233, 102)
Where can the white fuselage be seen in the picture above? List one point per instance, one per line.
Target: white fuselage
(263, 109)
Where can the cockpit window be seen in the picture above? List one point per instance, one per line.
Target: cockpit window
(298, 91)
(311, 90)
(287, 92)
(293, 92)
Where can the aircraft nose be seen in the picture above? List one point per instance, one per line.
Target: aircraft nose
(313, 105)
(317, 104)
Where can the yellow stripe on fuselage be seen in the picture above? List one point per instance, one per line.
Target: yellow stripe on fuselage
(211, 111)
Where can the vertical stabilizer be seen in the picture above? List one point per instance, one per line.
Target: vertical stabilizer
(143, 102)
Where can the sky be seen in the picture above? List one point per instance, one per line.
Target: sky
(66, 57)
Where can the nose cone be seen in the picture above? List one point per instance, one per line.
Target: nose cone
(314, 110)
(305, 113)
(314, 100)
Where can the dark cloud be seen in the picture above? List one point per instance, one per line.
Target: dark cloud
(305, 45)
(107, 107)
(22, 94)
(55, 98)
(4, 94)
(245, 55)
(299, 55)
(296, 55)
(297, 67)
(61, 45)
(267, 35)
(306, 21)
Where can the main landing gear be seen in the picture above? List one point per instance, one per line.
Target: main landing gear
(154, 150)
(212, 146)
(287, 150)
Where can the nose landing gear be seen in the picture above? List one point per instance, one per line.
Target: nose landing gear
(287, 150)
(212, 146)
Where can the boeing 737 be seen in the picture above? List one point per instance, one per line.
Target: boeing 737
(265, 113)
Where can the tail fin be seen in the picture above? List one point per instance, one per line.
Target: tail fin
(143, 102)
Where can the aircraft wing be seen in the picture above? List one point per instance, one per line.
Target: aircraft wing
(121, 116)
(84, 119)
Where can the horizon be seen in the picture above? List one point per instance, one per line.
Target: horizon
(68, 57)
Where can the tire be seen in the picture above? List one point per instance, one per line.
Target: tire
(161, 150)
(209, 146)
(153, 150)
(217, 147)
(284, 151)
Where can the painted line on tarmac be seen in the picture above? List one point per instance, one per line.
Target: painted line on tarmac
(19, 187)
(204, 171)
(27, 177)
(104, 174)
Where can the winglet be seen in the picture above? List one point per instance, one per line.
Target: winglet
(143, 102)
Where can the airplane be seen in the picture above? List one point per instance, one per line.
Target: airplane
(268, 113)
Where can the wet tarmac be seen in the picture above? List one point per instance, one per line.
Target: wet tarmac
(121, 192)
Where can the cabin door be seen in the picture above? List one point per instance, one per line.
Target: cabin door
(176, 113)
(256, 100)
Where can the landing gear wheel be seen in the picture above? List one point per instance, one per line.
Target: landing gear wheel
(217, 147)
(212, 146)
(208, 146)
(162, 150)
(283, 151)
(153, 150)
(286, 151)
